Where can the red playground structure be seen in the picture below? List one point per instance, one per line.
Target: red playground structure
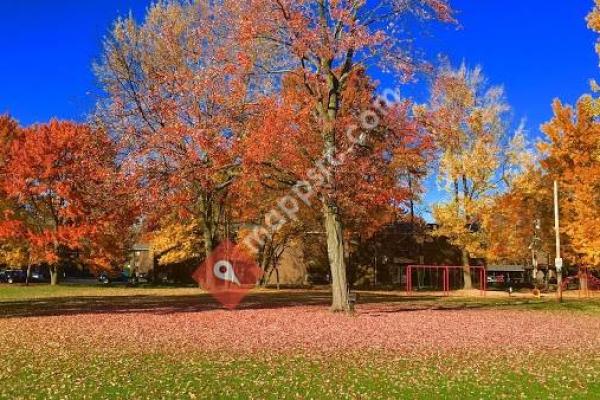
(446, 272)
(585, 282)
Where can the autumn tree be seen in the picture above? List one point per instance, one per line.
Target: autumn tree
(467, 121)
(323, 46)
(367, 168)
(13, 250)
(180, 91)
(67, 195)
(175, 239)
(519, 222)
(572, 156)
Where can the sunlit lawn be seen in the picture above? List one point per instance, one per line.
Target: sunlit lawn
(40, 291)
(92, 342)
(100, 375)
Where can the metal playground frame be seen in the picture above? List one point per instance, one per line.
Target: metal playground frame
(445, 276)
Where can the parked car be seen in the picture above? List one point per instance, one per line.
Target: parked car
(108, 277)
(38, 276)
(316, 278)
(13, 276)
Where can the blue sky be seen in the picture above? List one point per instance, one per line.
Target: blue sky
(47, 50)
(538, 49)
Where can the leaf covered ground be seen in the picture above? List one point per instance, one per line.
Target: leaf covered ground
(182, 345)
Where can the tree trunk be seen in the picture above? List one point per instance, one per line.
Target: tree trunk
(277, 277)
(466, 270)
(208, 236)
(209, 245)
(154, 269)
(28, 276)
(583, 282)
(53, 275)
(335, 250)
(208, 226)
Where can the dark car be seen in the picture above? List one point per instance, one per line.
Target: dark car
(108, 277)
(13, 276)
(38, 276)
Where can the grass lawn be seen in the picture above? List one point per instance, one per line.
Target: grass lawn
(74, 342)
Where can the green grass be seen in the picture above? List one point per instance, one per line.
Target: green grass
(584, 305)
(111, 371)
(373, 376)
(29, 298)
(42, 291)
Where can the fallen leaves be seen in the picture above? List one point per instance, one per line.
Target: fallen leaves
(301, 352)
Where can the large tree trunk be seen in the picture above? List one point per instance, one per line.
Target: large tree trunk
(54, 275)
(208, 233)
(208, 225)
(154, 269)
(209, 244)
(337, 263)
(466, 270)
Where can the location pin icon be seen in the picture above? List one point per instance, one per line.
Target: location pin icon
(224, 271)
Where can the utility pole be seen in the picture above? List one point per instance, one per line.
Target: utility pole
(534, 244)
(558, 262)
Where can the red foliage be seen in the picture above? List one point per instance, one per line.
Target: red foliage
(67, 192)
(286, 144)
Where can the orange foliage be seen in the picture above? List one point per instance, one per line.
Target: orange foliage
(67, 195)
(573, 157)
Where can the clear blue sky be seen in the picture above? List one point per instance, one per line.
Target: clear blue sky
(538, 49)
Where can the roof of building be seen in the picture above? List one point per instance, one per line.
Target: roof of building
(140, 247)
(505, 268)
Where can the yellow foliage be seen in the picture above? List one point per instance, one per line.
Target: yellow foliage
(518, 215)
(466, 119)
(176, 241)
(14, 255)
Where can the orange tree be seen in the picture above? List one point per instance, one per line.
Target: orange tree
(180, 90)
(572, 156)
(323, 47)
(519, 222)
(13, 250)
(66, 195)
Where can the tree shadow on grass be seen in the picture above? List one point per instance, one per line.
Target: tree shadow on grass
(168, 304)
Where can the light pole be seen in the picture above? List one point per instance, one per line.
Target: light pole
(558, 262)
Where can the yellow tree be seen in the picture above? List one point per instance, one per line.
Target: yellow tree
(518, 224)
(176, 240)
(466, 120)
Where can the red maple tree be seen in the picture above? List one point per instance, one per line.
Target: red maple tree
(323, 47)
(180, 91)
(68, 195)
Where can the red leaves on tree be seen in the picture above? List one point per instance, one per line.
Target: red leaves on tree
(68, 196)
